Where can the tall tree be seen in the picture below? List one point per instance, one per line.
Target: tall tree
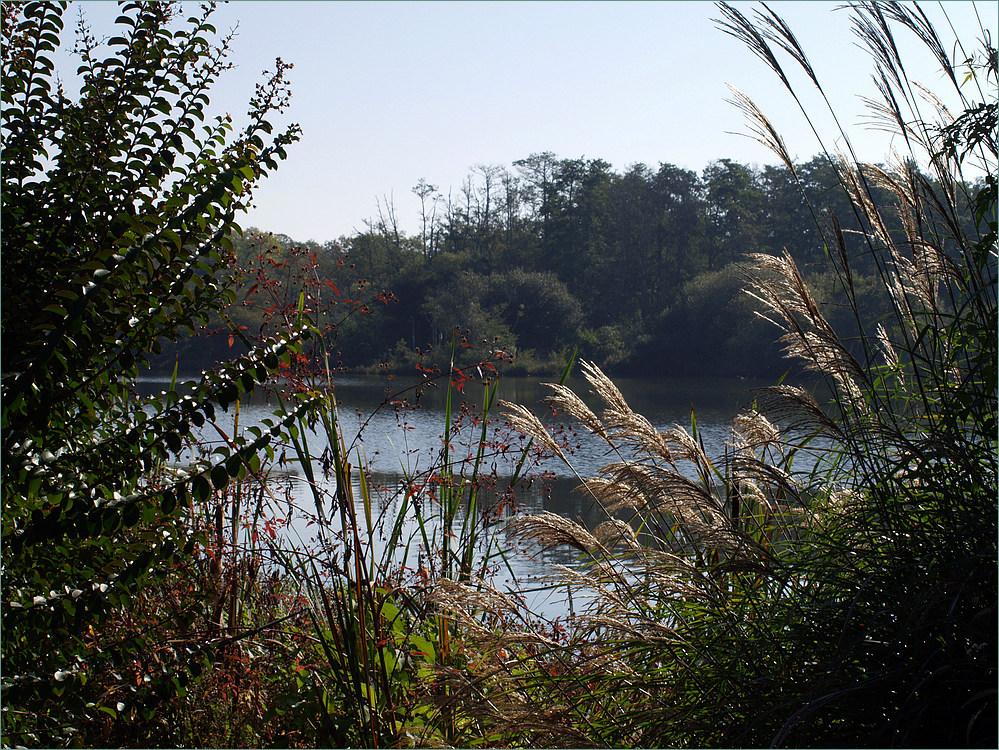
(428, 194)
(735, 207)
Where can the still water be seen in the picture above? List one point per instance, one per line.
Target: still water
(397, 432)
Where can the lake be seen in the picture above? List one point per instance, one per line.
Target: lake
(397, 432)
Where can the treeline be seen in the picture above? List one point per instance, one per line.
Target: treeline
(641, 270)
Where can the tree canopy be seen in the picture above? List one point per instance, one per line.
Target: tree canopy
(555, 253)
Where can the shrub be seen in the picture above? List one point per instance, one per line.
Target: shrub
(117, 208)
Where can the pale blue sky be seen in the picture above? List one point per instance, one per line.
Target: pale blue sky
(391, 92)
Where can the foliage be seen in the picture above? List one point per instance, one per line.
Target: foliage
(370, 672)
(904, 629)
(117, 207)
(713, 321)
(513, 310)
(629, 244)
(830, 580)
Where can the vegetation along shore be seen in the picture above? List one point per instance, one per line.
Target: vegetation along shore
(826, 578)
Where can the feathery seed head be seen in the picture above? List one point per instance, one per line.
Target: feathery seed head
(523, 419)
(551, 530)
(605, 388)
(565, 399)
(753, 430)
(615, 533)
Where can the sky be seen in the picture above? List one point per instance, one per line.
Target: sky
(389, 93)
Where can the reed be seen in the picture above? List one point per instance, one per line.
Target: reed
(382, 654)
(828, 580)
(760, 599)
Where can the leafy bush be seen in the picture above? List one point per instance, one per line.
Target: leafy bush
(713, 321)
(117, 208)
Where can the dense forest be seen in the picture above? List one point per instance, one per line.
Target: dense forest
(643, 271)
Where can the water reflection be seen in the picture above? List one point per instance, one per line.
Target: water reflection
(400, 443)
